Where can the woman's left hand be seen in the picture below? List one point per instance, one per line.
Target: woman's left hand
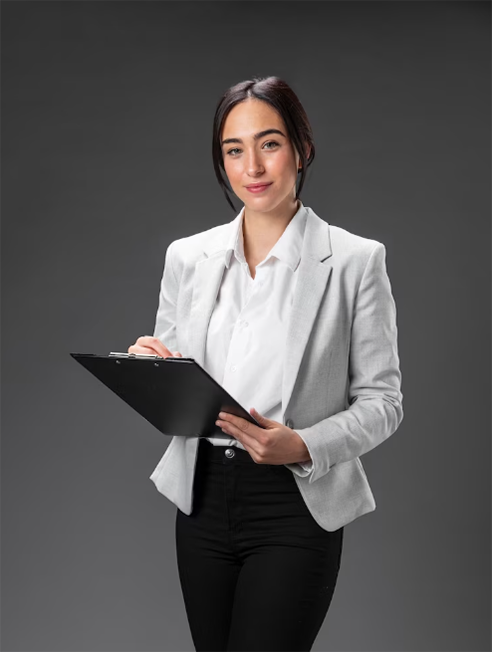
(271, 443)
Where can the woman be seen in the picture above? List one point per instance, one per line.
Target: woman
(296, 319)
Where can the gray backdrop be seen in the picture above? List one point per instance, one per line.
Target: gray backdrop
(107, 115)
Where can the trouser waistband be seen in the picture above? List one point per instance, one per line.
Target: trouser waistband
(224, 454)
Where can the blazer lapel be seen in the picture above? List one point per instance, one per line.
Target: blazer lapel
(312, 282)
(206, 283)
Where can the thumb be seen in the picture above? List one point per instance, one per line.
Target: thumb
(263, 421)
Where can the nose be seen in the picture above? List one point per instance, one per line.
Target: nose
(254, 166)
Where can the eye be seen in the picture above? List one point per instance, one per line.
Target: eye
(236, 149)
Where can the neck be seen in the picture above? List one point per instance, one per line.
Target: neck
(262, 230)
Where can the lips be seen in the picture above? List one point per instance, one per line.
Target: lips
(260, 188)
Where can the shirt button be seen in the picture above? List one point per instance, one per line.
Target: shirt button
(233, 368)
(229, 452)
(289, 423)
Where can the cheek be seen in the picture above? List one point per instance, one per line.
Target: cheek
(233, 171)
(284, 166)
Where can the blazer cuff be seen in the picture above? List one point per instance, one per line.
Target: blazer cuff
(308, 466)
(303, 469)
(300, 468)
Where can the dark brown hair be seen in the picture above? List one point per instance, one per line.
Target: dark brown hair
(282, 98)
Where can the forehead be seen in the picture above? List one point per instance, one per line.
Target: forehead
(251, 116)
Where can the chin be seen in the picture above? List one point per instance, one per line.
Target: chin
(261, 206)
(262, 203)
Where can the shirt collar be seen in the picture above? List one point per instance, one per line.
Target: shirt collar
(287, 248)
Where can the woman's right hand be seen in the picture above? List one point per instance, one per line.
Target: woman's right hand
(152, 345)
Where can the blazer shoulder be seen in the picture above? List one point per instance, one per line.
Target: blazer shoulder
(352, 249)
(190, 249)
(343, 240)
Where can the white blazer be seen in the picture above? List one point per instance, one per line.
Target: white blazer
(341, 383)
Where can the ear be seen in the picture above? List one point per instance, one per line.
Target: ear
(308, 154)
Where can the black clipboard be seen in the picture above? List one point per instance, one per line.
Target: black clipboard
(176, 395)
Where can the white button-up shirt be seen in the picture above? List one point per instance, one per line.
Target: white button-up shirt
(245, 345)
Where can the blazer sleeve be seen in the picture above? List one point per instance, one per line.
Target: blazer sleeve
(301, 469)
(165, 321)
(374, 396)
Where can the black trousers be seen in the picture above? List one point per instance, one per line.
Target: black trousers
(256, 571)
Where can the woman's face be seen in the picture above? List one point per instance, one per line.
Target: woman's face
(270, 158)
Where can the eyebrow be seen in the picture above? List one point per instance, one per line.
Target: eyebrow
(257, 136)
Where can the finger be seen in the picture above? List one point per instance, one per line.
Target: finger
(246, 438)
(154, 344)
(177, 354)
(242, 424)
(147, 350)
(263, 422)
(140, 349)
